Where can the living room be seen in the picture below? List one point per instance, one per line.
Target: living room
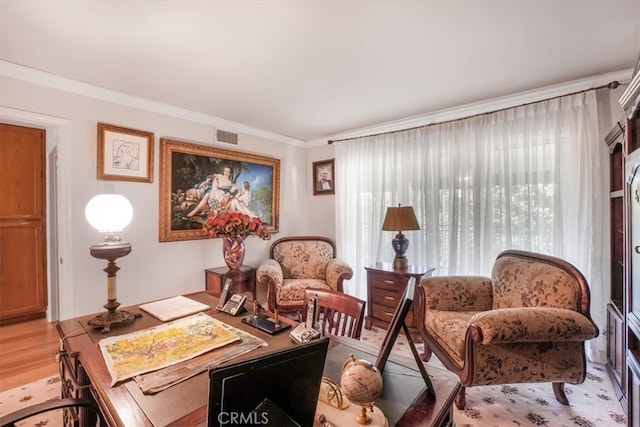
(70, 109)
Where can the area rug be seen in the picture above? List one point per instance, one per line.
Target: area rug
(591, 404)
(30, 394)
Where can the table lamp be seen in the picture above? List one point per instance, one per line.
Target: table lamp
(398, 219)
(110, 214)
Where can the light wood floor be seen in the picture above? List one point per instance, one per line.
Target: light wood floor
(27, 352)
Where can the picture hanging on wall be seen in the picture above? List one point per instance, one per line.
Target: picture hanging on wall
(194, 179)
(324, 176)
(124, 154)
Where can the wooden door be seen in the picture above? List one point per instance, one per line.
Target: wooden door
(23, 286)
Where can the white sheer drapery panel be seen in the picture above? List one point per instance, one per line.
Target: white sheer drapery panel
(529, 177)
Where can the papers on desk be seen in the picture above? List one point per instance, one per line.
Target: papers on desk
(172, 352)
(174, 308)
(164, 345)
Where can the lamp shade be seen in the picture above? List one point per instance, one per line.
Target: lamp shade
(401, 218)
(109, 213)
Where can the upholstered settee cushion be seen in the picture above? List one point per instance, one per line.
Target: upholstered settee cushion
(535, 324)
(292, 292)
(303, 258)
(519, 282)
(449, 328)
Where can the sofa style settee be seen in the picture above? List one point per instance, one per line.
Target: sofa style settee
(297, 263)
(528, 322)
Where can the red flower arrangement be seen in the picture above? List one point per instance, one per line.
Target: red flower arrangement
(234, 224)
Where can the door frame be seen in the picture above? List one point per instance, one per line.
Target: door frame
(59, 215)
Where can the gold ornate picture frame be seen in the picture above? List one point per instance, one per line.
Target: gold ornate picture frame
(185, 167)
(124, 154)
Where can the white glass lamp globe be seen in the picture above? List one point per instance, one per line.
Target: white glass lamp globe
(109, 213)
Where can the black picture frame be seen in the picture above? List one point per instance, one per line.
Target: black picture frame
(324, 177)
(397, 323)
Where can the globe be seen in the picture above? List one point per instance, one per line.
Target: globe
(361, 383)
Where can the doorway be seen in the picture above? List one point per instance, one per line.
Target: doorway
(58, 186)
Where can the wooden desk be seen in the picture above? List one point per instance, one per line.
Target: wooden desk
(404, 400)
(84, 374)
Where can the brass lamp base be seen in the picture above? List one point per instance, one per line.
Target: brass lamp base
(112, 317)
(400, 263)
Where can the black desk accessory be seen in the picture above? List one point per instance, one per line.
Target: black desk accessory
(398, 322)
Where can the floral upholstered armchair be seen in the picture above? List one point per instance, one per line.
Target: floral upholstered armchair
(527, 323)
(298, 263)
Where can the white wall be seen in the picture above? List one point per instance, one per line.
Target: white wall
(153, 270)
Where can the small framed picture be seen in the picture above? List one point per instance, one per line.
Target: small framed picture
(324, 177)
(124, 154)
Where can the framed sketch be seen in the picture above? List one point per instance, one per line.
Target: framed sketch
(124, 154)
(194, 179)
(324, 176)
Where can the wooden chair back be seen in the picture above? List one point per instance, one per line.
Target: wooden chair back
(339, 314)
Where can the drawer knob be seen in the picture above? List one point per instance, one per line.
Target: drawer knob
(389, 282)
(389, 298)
(388, 314)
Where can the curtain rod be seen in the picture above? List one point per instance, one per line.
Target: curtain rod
(611, 85)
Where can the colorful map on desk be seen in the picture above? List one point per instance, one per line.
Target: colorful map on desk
(164, 345)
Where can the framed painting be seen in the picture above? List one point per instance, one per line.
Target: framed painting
(124, 154)
(196, 179)
(324, 176)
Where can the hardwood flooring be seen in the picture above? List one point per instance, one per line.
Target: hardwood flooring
(27, 352)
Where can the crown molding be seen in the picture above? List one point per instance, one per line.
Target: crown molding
(42, 78)
(494, 104)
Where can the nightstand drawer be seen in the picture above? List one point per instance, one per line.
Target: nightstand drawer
(386, 313)
(386, 297)
(387, 281)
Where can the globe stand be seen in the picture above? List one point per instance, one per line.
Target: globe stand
(111, 251)
(363, 417)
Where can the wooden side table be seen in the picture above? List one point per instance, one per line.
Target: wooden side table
(384, 290)
(244, 279)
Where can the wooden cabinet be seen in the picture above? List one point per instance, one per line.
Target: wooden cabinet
(244, 280)
(616, 342)
(384, 291)
(623, 311)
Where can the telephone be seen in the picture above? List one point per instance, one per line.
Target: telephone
(306, 331)
(229, 302)
(225, 294)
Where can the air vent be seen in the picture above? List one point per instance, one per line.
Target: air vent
(228, 137)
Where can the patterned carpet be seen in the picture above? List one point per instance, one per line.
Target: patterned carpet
(30, 394)
(592, 403)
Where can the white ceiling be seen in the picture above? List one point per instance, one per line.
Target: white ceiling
(310, 70)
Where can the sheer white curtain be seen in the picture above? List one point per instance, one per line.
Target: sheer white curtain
(530, 177)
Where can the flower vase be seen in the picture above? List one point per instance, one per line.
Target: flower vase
(233, 251)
